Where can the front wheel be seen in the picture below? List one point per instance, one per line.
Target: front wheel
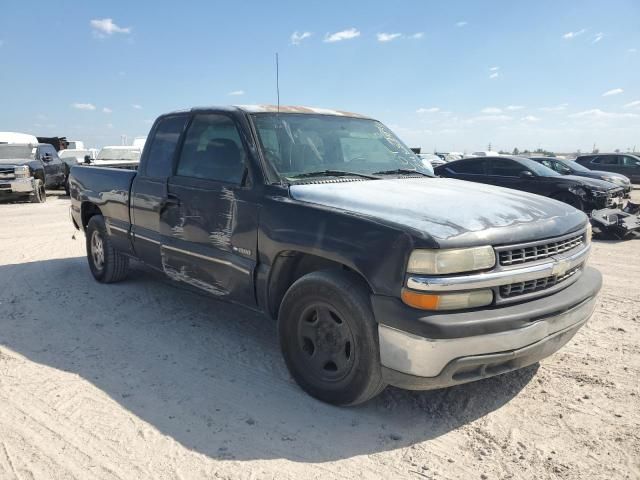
(39, 194)
(329, 338)
(106, 263)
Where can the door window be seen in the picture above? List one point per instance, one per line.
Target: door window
(506, 168)
(609, 160)
(212, 150)
(628, 161)
(163, 146)
(467, 167)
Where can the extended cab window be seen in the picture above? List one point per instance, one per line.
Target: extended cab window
(212, 150)
(163, 146)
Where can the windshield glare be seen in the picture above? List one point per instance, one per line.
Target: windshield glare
(301, 143)
(574, 166)
(17, 151)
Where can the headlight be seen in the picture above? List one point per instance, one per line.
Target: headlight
(453, 260)
(21, 171)
(447, 301)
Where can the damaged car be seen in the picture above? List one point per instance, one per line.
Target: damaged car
(375, 271)
(519, 173)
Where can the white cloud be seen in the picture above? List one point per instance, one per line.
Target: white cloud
(348, 34)
(596, 113)
(489, 118)
(613, 91)
(634, 104)
(136, 106)
(571, 35)
(530, 118)
(107, 110)
(236, 93)
(632, 50)
(557, 108)
(387, 37)
(105, 26)
(83, 106)
(494, 69)
(599, 36)
(494, 75)
(491, 110)
(297, 38)
(513, 108)
(461, 24)
(417, 35)
(427, 110)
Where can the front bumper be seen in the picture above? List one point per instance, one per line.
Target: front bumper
(18, 186)
(425, 350)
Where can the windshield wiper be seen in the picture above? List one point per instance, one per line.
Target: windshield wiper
(400, 171)
(333, 173)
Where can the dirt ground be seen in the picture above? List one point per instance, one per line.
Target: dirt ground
(143, 379)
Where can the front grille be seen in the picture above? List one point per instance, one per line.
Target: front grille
(7, 174)
(530, 286)
(531, 253)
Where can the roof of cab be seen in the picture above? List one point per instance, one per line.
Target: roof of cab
(271, 109)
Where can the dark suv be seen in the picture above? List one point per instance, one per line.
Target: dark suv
(623, 163)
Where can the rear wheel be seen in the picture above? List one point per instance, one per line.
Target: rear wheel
(329, 338)
(106, 263)
(39, 194)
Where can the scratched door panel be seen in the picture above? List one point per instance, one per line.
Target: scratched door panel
(209, 238)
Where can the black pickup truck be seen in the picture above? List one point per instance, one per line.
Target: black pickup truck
(376, 271)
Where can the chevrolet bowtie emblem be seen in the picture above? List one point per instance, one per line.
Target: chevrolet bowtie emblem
(560, 267)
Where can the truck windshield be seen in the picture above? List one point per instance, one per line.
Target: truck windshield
(297, 144)
(17, 151)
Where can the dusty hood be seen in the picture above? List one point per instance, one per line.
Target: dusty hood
(450, 212)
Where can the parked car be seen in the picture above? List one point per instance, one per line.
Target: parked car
(623, 163)
(521, 173)
(117, 155)
(73, 157)
(569, 167)
(26, 170)
(377, 272)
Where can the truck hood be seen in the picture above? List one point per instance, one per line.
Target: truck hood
(446, 211)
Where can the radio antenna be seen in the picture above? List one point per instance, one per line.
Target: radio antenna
(278, 81)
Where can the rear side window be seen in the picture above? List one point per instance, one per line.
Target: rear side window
(212, 150)
(506, 168)
(163, 146)
(468, 167)
(630, 161)
(608, 160)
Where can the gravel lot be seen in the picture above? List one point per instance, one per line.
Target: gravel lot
(144, 379)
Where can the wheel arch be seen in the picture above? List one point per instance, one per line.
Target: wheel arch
(291, 265)
(88, 210)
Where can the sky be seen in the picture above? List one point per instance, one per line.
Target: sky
(447, 76)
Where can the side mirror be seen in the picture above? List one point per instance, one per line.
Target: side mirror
(46, 157)
(87, 159)
(526, 174)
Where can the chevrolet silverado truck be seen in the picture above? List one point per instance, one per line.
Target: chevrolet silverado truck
(376, 272)
(26, 170)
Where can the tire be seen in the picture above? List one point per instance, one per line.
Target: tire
(329, 338)
(106, 264)
(570, 199)
(39, 195)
